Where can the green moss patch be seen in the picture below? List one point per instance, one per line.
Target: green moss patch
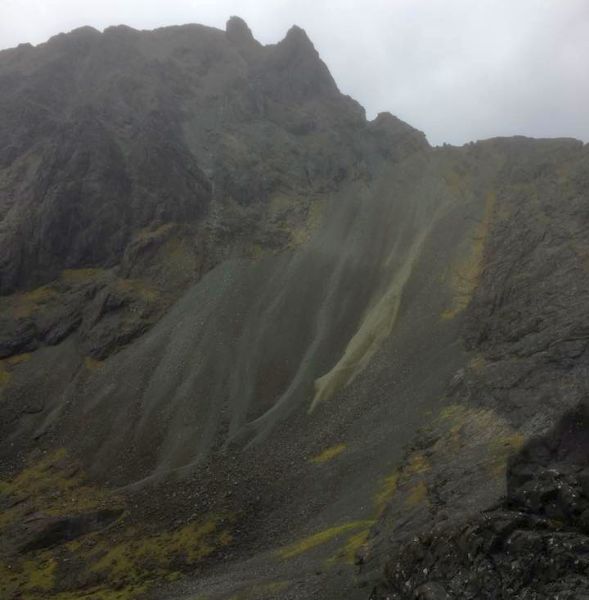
(321, 537)
(118, 560)
(328, 454)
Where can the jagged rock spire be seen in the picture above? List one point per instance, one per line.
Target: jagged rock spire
(238, 31)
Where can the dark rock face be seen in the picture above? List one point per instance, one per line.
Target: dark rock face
(533, 545)
(103, 139)
(157, 155)
(289, 338)
(523, 536)
(43, 531)
(239, 33)
(70, 217)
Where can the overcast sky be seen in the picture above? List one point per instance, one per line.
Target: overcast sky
(459, 70)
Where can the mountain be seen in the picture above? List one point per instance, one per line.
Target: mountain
(256, 346)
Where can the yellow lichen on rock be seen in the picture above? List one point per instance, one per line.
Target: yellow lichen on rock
(149, 233)
(40, 574)
(256, 591)
(8, 364)
(121, 560)
(75, 276)
(92, 364)
(416, 495)
(350, 548)
(417, 463)
(456, 181)
(500, 449)
(47, 480)
(477, 363)
(30, 578)
(138, 557)
(328, 454)
(4, 374)
(301, 234)
(464, 275)
(131, 592)
(55, 485)
(137, 288)
(50, 485)
(18, 359)
(386, 491)
(25, 304)
(484, 429)
(376, 326)
(409, 479)
(321, 537)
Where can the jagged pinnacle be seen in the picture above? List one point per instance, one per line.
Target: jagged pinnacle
(238, 31)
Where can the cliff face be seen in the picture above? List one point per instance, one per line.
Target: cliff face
(253, 345)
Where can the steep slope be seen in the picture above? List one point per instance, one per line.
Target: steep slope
(249, 339)
(490, 527)
(160, 154)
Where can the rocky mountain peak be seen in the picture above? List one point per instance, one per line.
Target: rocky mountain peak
(294, 70)
(238, 32)
(395, 135)
(297, 35)
(297, 43)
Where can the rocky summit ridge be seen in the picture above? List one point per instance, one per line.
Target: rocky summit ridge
(254, 345)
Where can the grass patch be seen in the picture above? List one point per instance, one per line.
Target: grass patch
(466, 273)
(120, 562)
(302, 234)
(54, 485)
(387, 490)
(27, 303)
(92, 364)
(416, 495)
(74, 276)
(501, 449)
(349, 550)
(18, 359)
(4, 374)
(328, 454)
(416, 464)
(138, 557)
(137, 289)
(40, 577)
(497, 439)
(257, 590)
(147, 233)
(7, 364)
(320, 538)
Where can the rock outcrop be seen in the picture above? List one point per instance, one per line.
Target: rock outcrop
(532, 544)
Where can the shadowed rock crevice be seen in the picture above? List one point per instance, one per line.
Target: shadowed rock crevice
(44, 532)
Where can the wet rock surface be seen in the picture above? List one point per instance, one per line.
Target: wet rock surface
(534, 544)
